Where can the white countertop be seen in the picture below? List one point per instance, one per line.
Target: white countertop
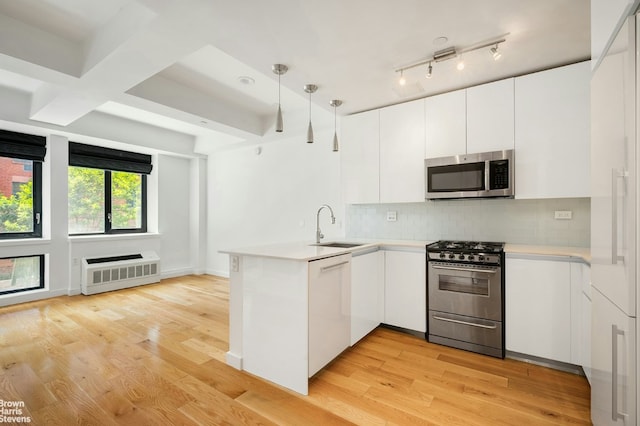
(307, 250)
(583, 253)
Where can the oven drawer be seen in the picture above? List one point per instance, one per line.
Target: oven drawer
(466, 330)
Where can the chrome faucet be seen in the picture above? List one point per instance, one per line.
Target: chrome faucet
(319, 234)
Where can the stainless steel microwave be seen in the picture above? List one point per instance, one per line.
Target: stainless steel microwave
(482, 175)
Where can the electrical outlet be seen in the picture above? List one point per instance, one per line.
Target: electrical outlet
(235, 263)
(563, 214)
(392, 216)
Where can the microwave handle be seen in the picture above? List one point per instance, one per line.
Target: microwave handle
(487, 173)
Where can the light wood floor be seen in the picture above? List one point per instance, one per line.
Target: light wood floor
(154, 355)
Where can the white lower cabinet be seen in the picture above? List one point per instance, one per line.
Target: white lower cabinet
(585, 330)
(367, 293)
(405, 299)
(538, 308)
(329, 309)
(613, 364)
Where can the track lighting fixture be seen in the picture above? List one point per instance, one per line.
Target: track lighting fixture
(335, 103)
(402, 80)
(494, 52)
(280, 70)
(450, 53)
(310, 88)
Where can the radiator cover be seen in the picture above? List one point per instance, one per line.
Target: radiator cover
(100, 274)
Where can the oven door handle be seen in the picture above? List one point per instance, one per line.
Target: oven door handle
(453, 268)
(490, 327)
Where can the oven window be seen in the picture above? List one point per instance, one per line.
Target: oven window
(459, 177)
(476, 286)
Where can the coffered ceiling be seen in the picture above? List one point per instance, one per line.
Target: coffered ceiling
(184, 65)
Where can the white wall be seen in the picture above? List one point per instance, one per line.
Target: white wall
(271, 197)
(174, 206)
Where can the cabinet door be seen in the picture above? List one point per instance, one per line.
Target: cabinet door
(552, 133)
(538, 308)
(613, 358)
(360, 156)
(402, 153)
(329, 310)
(613, 173)
(446, 124)
(585, 332)
(367, 294)
(490, 117)
(405, 285)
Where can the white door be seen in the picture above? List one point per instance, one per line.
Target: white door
(367, 294)
(329, 309)
(405, 290)
(402, 153)
(490, 117)
(613, 362)
(613, 175)
(446, 124)
(360, 158)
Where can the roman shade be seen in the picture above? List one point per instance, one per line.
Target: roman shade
(97, 157)
(22, 146)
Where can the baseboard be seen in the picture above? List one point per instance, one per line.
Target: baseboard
(173, 273)
(234, 360)
(218, 273)
(544, 362)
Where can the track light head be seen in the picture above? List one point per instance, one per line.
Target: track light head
(402, 81)
(429, 71)
(495, 53)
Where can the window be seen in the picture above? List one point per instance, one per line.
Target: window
(21, 273)
(21, 158)
(107, 190)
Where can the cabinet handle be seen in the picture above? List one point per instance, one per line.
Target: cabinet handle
(490, 327)
(453, 268)
(615, 175)
(337, 265)
(615, 332)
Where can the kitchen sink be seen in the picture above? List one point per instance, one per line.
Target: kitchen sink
(339, 245)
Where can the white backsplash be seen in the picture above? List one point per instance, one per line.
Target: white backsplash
(512, 221)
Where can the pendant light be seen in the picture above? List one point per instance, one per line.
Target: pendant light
(280, 70)
(310, 88)
(335, 103)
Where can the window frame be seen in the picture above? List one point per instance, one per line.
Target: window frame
(108, 208)
(41, 274)
(36, 232)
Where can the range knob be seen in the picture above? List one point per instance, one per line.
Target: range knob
(442, 255)
(481, 257)
(461, 257)
(470, 257)
(452, 256)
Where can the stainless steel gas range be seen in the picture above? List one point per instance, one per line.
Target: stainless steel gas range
(465, 295)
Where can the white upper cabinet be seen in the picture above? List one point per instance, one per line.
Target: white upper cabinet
(402, 153)
(360, 156)
(552, 133)
(606, 16)
(446, 124)
(490, 117)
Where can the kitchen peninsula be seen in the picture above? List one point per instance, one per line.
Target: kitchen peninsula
(294, 307)
(289, 308)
